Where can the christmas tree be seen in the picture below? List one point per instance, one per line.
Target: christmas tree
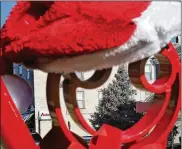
(117, 107)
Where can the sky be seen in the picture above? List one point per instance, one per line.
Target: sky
(5, 10)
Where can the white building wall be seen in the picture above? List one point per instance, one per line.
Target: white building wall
(90, 96)
(40, 95)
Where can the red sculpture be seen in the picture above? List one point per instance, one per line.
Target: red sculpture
(59, 37)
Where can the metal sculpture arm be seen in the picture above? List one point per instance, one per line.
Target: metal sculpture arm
(58, 37)
(162, 114)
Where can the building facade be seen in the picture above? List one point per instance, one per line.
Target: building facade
(28, 75)
(87, 99)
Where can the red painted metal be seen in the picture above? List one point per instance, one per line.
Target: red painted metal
(150, 132)
(95, 81)
(157, 138)
(155, 113)
(14, 132)
(73, 141)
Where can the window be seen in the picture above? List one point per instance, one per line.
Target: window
(61, 82)
(147, 94)
(173, 40)
(28, 74)
(20, 68)
(148, 75)
(80, 99)
(80, 75)
(148, 72)
(14, 70)
(176, 39)
(100, 95)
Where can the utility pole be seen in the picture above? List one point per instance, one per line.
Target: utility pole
(69, 125)
(172, 144)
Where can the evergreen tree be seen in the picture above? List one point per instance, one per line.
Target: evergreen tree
(173, 134)
(117, 107)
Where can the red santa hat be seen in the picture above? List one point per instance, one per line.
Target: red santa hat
(79, 36)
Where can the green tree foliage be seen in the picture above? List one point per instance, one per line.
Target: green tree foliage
(117, 107)
(174, 133)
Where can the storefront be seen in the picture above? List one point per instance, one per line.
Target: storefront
(44, 123)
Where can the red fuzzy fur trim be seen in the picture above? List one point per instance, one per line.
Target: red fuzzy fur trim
(68, 28)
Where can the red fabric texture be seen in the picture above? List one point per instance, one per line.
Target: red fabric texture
(59, 29)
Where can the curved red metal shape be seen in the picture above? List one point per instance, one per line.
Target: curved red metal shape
(14, 131)
(154, 114)
(151, 132)
(17, 85)
(69, 88)
(164, 83)
(65, 138)
(167, 118)
(145, 124)
(160, 133)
